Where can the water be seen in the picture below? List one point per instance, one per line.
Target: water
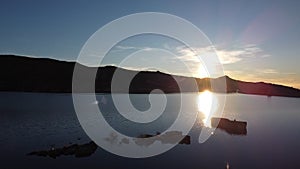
(36, 121)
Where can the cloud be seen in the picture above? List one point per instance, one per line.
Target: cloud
(274, 71)
(193, 57)
(237, 54)
(226, 56)
(268, 71)
(186, 54)
(229, 57)
(126, 47)
(120, 48)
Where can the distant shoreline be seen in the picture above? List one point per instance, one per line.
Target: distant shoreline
(34, 75)
(70, 93)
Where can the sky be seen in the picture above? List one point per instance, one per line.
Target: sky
(255, 40)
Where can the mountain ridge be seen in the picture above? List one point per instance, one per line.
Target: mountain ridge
(27, 74)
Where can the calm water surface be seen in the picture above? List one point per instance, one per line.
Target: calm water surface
(36, 121)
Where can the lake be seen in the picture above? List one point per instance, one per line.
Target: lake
(37, 122)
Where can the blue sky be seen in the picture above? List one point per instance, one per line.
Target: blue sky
(257, 40)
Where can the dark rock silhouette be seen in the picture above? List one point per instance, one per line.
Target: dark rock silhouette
(170, 137)
(232, 127)
(83, 150)
(24, 74)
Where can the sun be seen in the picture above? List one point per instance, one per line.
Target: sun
(202, 72)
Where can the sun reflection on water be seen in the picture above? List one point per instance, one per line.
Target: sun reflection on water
(207, 103)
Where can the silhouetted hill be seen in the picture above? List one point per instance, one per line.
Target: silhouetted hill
(24, 74)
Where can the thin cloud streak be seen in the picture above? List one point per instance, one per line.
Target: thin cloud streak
(120, 48)
(226, 56)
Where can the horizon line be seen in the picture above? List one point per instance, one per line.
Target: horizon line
(130, 68)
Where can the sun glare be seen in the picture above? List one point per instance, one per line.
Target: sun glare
(205, 103)
(202, 73)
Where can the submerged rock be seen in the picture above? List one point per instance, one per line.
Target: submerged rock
(83, 150)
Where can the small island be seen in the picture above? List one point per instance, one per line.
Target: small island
(230, 126)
